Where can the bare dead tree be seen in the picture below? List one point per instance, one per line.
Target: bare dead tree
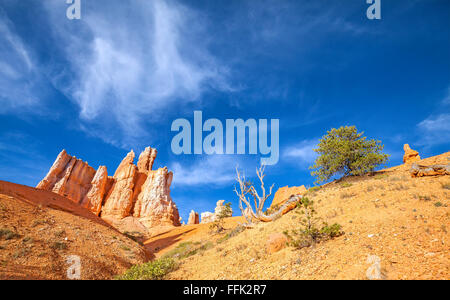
(246, 191)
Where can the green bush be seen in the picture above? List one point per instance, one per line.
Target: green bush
(218, 225)
(8, 234)
(154, 270)
(314, 189)
(345, 151)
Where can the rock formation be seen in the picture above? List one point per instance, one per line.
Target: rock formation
(69, 177)
(154, 206)
(119, 201)
(283, 194)
(134, 195)
(410, 155)
(193, 218)
(94, 198)
(208, 217)
(276, 242)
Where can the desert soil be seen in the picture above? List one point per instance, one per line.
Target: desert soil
(403, 221)
(45, 228)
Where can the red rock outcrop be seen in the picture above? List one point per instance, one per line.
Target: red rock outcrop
(134, 192)
(119, 200)
(193, 218)
(410, 155)
(276, 242)
(69, 177)
(154, 206)
(94, 198)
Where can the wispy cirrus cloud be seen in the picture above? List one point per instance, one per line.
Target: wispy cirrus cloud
(435, 129)
(125, 73)
(17, 81)
(302, 153)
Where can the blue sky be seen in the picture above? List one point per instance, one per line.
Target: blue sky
(116, 79)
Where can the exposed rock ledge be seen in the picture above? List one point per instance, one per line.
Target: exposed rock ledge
(135, 195)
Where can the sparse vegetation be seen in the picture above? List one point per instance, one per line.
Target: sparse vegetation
(187, 249)
(424, 198)
(135, 236)
(236, 231)
(346, 184)
(59, 246)
(38, 222)
(218, 225)
(21, 253)
(125, 247)
(309, 233)
(154, 270)
(347, 195)
(345, 152)
(445, 186)
(8, 234)
(314, 189)
(381, 176)
(438, 204)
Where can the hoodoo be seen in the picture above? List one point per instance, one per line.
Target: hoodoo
(134, 192)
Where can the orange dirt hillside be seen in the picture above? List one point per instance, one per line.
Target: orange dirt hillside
(403, 221)
(40, 229)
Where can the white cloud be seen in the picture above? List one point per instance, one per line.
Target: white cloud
(302, 153)
(435, 129)
(17, 77)
(125, 71)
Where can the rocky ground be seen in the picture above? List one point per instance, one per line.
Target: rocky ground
(401, 220)
(40, 229)
(389, 216)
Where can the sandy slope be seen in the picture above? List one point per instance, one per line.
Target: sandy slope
(402, 220)
(49, 228)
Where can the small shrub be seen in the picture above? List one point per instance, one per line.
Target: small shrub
(314, 189)
(347, 195)
(218, 225)
(21, 253)
(125, 247)
(424, 198)
(445, 186)
(135, 236)
(272, 209)
(59, 246)
(381, 176)
(27, 239)
(401, 187)
(38, 222)
(8, 234)
(309, 233)
(346, 184)
(187, 249)
(234, 232)
(154, 270)
(438, 204)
